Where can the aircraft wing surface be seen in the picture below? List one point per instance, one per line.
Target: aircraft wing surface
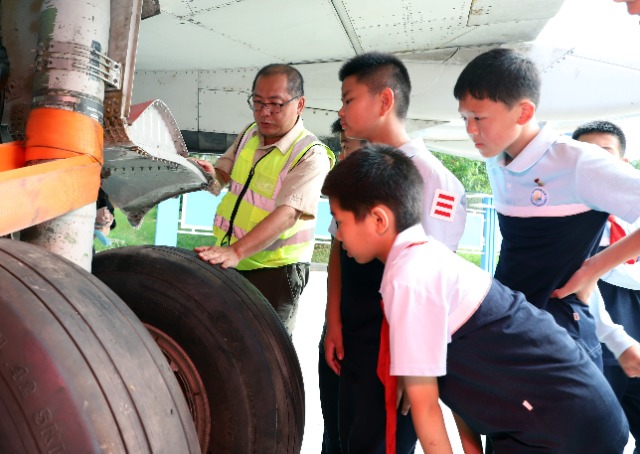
(200, 56)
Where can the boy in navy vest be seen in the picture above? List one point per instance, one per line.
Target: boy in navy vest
(552, 194)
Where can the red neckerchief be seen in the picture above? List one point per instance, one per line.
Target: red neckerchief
(616, 232)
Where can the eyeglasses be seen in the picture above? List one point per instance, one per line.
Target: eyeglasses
(273, 107)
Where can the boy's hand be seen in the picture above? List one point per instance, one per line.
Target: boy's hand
(582, 283)
(427, 414)
(104, 218)
(630, 361)
(402, 399)
(333, 348)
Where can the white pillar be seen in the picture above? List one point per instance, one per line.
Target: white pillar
(66, 78)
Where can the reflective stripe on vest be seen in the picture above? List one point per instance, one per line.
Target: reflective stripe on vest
(296, 243)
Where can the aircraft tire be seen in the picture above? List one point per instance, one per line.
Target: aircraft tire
(226, 344)
(79, 373)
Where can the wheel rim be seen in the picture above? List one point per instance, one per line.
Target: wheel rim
(190, 382)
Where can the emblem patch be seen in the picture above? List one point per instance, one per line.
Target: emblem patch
(444, 205)
(539, 197)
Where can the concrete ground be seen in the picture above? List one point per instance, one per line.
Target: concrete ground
(306, 336)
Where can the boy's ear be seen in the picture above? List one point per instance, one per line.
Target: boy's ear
(387, 99)
(527, 111)
(382, 217)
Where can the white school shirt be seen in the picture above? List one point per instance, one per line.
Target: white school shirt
(444, 210)
(428, 293)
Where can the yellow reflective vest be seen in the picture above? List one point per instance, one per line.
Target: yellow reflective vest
(244, 206)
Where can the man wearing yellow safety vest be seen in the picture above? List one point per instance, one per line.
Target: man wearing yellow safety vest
(264, 226)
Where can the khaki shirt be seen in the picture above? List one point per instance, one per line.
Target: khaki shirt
(302, 185)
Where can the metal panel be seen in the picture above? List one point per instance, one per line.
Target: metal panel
(576, 77)
(145, 162)
(281, 30)
(178, 90)
(168, 42)
(189, 7)
(485, 12)
(399, 26)
(238, 79)
(224, 111)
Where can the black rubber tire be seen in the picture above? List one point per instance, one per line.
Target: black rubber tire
(231, 335)
(79, 373)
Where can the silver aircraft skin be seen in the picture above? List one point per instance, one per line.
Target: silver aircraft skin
(200, 56)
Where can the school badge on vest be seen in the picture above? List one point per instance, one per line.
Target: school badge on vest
(539, 197)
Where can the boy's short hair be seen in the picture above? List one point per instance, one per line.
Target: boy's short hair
(378, 71)
(377, 174)
(336, 127)
(501, 75)
(602, 127)
(295, 84)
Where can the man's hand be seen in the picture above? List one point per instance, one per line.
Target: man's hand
(630, 361)
(333, 348)
(214, 186)
(206, 165)
(226, 256)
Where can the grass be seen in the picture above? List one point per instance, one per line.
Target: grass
(125, 235)
(321, 252)
(473, 258)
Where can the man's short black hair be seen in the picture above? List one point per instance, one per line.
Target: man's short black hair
(377, 174)
(501, 75)
(604, 127)
(295, 84)
(378, 71)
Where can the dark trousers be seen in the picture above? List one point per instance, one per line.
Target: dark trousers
(329, 384)
(627, 390)
(363, 415)
(282, 287)
(575, 316)
(353, 410)
(362, 412)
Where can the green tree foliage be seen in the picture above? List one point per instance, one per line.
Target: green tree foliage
(471, 173)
